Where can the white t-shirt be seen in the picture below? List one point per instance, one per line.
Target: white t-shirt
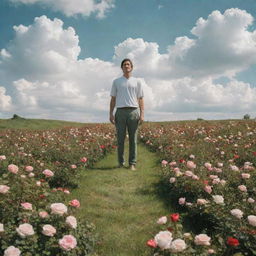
(127, 91)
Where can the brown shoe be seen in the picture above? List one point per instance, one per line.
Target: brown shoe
(132, 167)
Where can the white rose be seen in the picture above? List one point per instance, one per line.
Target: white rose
(237, 213)
(25, 230)
(252, 220)
(49, 230)
(164, 239)
(58, 208)
(218, 199)
(71, 221)
(178, 245)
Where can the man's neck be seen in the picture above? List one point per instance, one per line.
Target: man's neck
(127, 75)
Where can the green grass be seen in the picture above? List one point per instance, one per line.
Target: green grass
(123, 204)
(22, 123)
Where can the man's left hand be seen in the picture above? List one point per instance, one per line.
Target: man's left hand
(141, 120)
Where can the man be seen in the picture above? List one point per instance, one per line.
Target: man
(127, 96)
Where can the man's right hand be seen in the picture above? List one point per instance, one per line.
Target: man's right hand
(112, 118)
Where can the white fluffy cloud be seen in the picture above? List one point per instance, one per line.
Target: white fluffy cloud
(45, 78)
(223, 47)
(74, 7)
(5, 100)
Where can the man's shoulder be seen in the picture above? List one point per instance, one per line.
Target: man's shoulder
(118, 79)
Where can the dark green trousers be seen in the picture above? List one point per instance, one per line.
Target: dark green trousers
(127, 119)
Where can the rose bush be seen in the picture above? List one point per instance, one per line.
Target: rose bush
(36, 173)
(209, 172)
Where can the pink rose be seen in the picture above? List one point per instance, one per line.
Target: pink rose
(208, 189)
(164, 239)
(162, 220)
(191, 165)
(202, 239)
(49, 230)
(83, 159)
(48, 173)
(31, 175)
(245, 175)
(12, 251)
(195, 177)
(13, 168)
(26, 206)
(164, 163)
(176, 169)
(242, 188)
(211, 251)
(43, 214)
(71, 221)
(208, 165)
(73, 166)
(173, 163)
(2, 157)
(75, 203)
(58, 208)
(4, 189)
(68, 242)
(182, 200)
(178, 245)
(25, 230)
(29, 168)
(189, 173)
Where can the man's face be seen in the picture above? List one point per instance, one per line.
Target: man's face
(127, 67)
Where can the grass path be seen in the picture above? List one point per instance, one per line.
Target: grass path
(123, 204)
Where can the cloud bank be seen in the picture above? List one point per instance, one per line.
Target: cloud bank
(74, 7)
(42, 75)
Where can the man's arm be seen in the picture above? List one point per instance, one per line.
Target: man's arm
(141, 105)
(112, 106)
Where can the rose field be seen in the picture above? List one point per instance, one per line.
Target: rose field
(193, 192)
(209, 173)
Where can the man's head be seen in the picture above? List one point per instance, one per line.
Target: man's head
(127, 65)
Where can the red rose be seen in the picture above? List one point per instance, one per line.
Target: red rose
(254, 153)
(175, 217)
(236, 156)
(206, 182)
(182, 161)
(151, 243)
(232, 241)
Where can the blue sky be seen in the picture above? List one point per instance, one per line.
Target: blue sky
(201, 78)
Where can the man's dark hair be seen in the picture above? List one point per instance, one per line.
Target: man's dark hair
(124, 60)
